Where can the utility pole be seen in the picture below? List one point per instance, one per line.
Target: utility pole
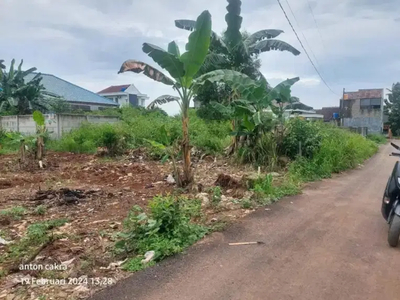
(341, 108)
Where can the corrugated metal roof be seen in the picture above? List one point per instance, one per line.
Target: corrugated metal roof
(69, 91)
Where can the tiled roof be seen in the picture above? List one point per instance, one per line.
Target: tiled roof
(114, 89)
(328, 112)
(69, 91)
(363, 94)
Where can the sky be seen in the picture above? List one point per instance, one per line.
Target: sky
(354, 44)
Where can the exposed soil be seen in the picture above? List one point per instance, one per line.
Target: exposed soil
(94, 194)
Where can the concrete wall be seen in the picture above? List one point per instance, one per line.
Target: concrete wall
(354, 116)
(56, 124)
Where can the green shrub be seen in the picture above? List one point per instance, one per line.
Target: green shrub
(167, 229)
(304, 132)
(377, 138)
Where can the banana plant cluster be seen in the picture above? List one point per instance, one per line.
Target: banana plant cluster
(252, 98)
(20, 96)
(183, 68)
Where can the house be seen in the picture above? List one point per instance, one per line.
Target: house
(330, 114)
(124, 95)
(78, 97)
(363, 108)
(298, 109)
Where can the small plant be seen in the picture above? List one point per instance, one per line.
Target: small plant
(246, 203)
(166, 229)
(16, 212)
(40, 210)
(216, 196)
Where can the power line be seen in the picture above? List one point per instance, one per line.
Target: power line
(316, 24)
(301, 43)
(302, 33)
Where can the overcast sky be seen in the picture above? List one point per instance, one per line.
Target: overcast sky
(356, 42)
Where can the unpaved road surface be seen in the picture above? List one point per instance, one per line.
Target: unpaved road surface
(328, 243)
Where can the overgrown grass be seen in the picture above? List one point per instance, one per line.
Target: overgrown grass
(377, 138)
(166, 229)
(137, 126)
(339, 150)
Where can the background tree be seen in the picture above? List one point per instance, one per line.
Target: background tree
(392, 108)
(20, 97)
(183, 68)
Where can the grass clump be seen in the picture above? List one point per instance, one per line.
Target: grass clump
(166, 229)
(40, 210)
(15, 213)
(37, 236)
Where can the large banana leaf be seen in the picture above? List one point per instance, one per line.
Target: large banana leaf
(261, 35)
(247, 87)
(162, 100)
(185, 24)
(165, 60)
(174, 49)
(268, 45)
(197, 47)
(216, 40)
(2, 66)
(141, 67)
(214, 61)
(282, 90)
(234, 22)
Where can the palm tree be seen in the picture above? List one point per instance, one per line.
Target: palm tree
(183, 68)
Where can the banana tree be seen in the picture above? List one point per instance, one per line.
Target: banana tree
(236, 51)
(253, 97)
(183, 69)
(162, 100)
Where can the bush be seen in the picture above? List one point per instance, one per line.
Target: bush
(263, 153)
(308, 133)
(167, 229)
(88, 137)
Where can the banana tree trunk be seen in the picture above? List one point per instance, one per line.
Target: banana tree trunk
(22, 152)
(40, 148)
(187, 172)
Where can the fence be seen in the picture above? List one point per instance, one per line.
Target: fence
(57, 124)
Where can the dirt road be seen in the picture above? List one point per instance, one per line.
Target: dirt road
(328, 243)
